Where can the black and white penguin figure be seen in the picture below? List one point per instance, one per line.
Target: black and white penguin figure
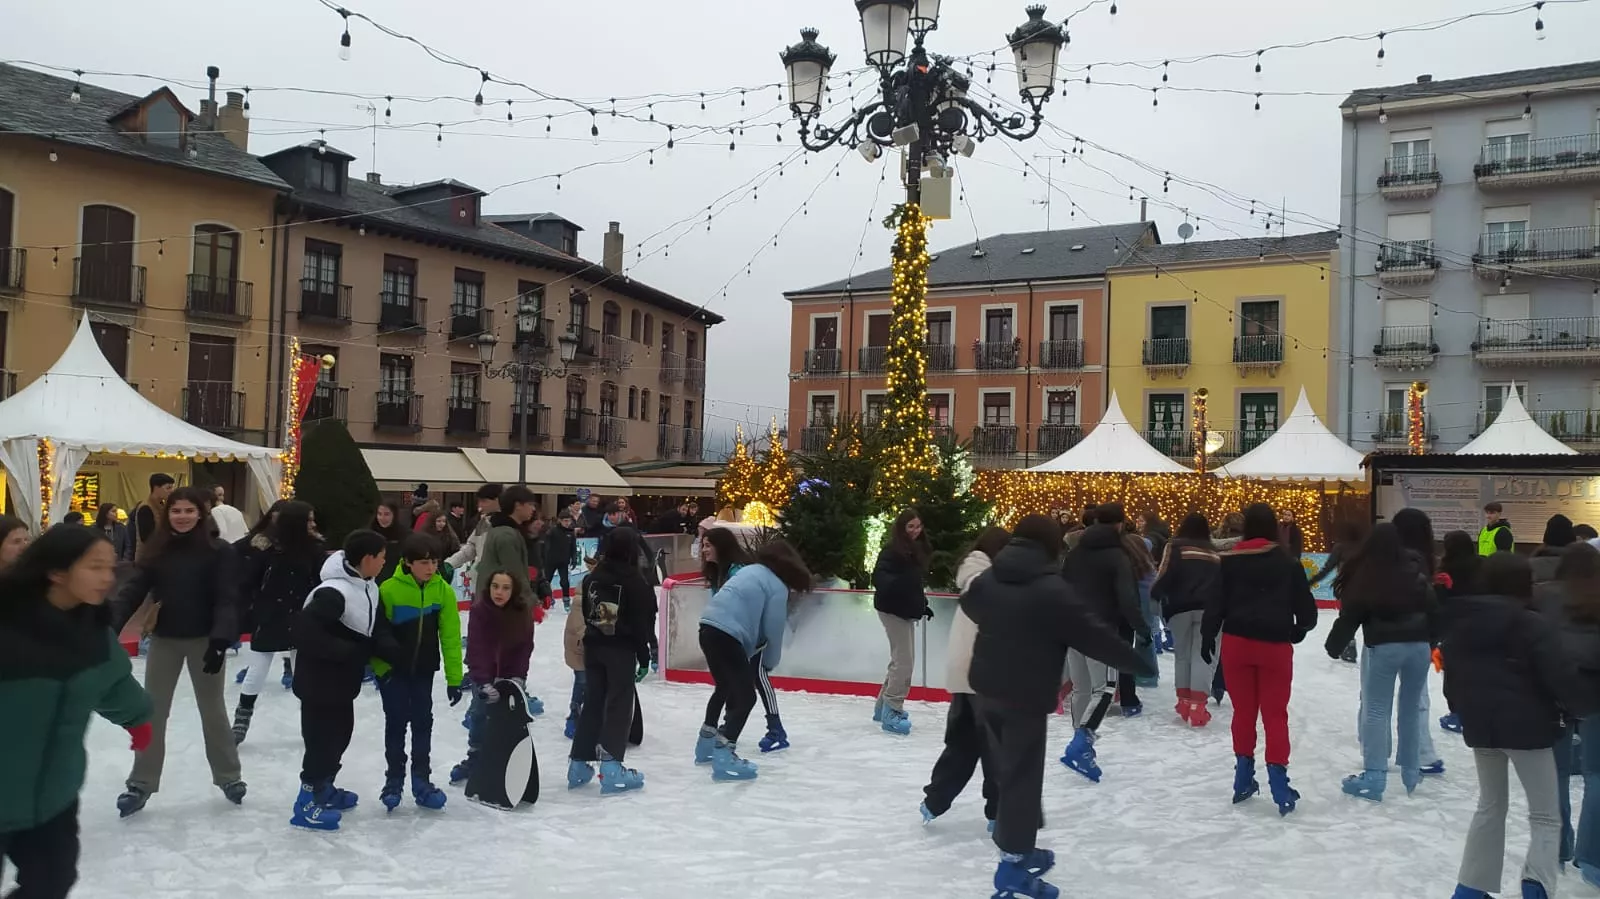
(505, 771)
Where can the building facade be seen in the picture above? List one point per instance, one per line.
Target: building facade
(400, 283)
(1017, 327)
(1250, 320)
(153, 221)
(1471, 212)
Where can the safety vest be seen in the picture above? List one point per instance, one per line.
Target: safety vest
(1486, 540)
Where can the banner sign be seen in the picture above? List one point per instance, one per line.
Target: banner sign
(1455, 501)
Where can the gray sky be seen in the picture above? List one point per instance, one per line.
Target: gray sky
(1287, 153)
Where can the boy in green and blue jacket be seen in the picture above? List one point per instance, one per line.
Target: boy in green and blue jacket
(421, 607)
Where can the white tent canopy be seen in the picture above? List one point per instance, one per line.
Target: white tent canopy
(1515, 433)
(1113, 446)
(1301, 449)
(82, 406)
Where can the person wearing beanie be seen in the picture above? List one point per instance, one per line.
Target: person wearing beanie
(1496, 534)
(1558, 535)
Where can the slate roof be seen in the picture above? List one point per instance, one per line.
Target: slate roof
(1473, 84)
(1003, 259)
(36, 103)
(1242, 248)
(531, 217)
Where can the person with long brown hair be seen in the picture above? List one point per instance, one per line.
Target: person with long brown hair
(721, 557)
(1575, 605)
(1416, 534)
(899, 597)
(1186, 583)
(499, 645)
(14, 538)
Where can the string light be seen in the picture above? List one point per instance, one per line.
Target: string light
(1538, 20)
(1197, 427)
(477, 101)
(1416, 426)
(77, 88)
(344, 39)
(47, 452)
(1380, 49)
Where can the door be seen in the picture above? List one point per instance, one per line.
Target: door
(1167, 420)
(878, 330)
(1258, 418)
(113, 342)
(7, 265)
(997, 326)
(210, 381)
(216, 269)
(105, 266)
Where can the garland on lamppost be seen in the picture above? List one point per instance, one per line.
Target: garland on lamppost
(1416, 424)
(1199, 429)
(907, 427)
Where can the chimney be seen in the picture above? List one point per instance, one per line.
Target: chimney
(1424, 79)
(611, 252)
(233, 123)
(208, 106)
(1144, 209)
(374, 179)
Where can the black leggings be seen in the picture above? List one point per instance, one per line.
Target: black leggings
(769, 697)
(735, 682)
(45, 856)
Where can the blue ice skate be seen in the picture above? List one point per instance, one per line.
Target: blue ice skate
(927, 816)
(535, 706)
(896, 721)
(1533, 889)
(1451, 722)
(571, 730)
(1080, 756)
(390, 794)
(243, 673)
(1014, 880)
(614, 778)
(776, 739)
(1465, 892)
(1244, 778)
(330, 796)
(310, 814)
(1367, 785)
(578, 774)
(1166, 640)
(1133, 711)
(726, 764)
(1590, 874)
(288, 674)
(1283, 796)
(705, 745)
(877, 711)
(425, 794)
(459, 772)
(132, 801)
(1433, 769)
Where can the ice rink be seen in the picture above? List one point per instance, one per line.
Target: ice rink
(835, 817)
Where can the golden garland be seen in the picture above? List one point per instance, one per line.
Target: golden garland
(907, 426)
(1416, 425)
(47, 483)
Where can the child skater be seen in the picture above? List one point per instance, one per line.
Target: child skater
(337, 633)
(721, 556)
(420, 605)
(499, 645)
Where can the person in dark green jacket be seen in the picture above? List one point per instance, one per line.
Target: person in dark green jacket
(60, 663)
(421, 607)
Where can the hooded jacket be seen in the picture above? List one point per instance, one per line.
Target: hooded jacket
(1410, 615)
(340, 629)
(1101, 575)
(1506, 675)
(1188, 579)
(490, 656)
(1263, 595)
(897, 585)
(753, 608)
(1580, 639)
(426, 624)
(1027, 619)
(635, 609)
(273, 588)
(194, 581)
(962, 631)
(560, 550)
(504, 549)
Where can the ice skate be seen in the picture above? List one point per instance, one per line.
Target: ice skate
(726, 764)
(1185, 706)
(425, 794)
(1451, 722)
(1465, 892)
(896, 721)
(288, 674)
(1166, 640)
(1282, 794)
(1410, 778)
(1013, 880)
(704, 745)
(459, 772)
(241, 722)
(1434, 768)
(1533, 889)
(1349, 654)
(1133, 711)
(311, 815)
(243, 673)
(776, 739)
(390, 794)
(1244, 778)
(234, 791)
(1080, 756)
(927, 816)
(877, 711)
(535, 706)
(1590, 874)
(1367, 785)
(579, 774)
(131, 801)
(614, 778)
(330, 796)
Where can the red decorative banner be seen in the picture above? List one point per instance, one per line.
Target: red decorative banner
(306, 371)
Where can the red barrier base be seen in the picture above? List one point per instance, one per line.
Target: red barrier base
(815, 685)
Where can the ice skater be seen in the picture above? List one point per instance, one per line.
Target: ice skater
(901, 601)
(282, 564)
(721, 556)
(499, 645)
(1186, 583)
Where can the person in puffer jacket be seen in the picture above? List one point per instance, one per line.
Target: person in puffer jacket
(1185, 584)
(721, 557)
(499, 646)
(1101, 574)
(421, 607)
(964, 748)
(1572, 601)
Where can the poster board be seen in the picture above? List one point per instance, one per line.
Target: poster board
(1454, 500)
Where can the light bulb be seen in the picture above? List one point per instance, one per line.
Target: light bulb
(53, 156)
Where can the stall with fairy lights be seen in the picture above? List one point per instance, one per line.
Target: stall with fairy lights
(82, 406)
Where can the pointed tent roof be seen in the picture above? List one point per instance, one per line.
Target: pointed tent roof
(1515, 433)
(82, 401)
(1301, 449)
(1113, 446)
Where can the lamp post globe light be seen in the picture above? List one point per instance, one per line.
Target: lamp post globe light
(525, 367)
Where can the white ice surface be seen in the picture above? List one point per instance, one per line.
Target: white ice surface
(835, 817)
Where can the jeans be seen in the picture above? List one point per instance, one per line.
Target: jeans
(1381, 667)
(475, 715)
(1191, 672)
(579, 688)
(407, 705)
(1586, 849)
(1566, 750)
(1426, 753)
(1152, 620)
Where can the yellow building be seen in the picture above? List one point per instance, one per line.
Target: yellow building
(1250, 320)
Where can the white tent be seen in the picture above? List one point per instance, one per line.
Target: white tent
(1113, 446)
(1301, 449)
(1515, 433)
(82, 406)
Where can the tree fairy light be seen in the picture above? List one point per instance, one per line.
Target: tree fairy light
(47, 483)
(774, 480)
(1416, 425)
(907, 427)
(1198, 426)
(737, 485)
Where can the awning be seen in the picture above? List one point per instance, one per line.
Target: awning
(671, 486)
(447, 472)
(550, 474)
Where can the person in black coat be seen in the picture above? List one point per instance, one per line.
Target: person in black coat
(281, 566)
(1186, 583)
(619, 609)
(1028, 619)
(561, 554)
(1101, 574)
(1510, 681)
(1573, 602)
(899, 598)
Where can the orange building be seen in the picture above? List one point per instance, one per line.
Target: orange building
(1017, 332)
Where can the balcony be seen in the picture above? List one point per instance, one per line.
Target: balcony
(1553, 251)
(1055, 439)
(615, 353)
(994, 446)
(695, 373)
(328, 401)
(1574, 427)
(468, 322)
(538, 421)
(581, 427)
(1548, 160)
(1405, 347)
(1064, 355)
(1166, 355)
(218, 298)
(1390, 432)
(99, 283)
(214, 405)
(1254, 352)
(694, 442)
(8, 384)
(398, 410)
(999, 356)
(1227, 443)
(669, 442)
(324, 301)
(1406, 262)
(814, 437)
(1410, 176)
(588, 340)
(13, 265)
(1538, 341)
(467, 415)
(941, 356)
(942, 430)
(672, 368)
(872, 359)
(822, 361)
(400, 313)
(612, 433)
(541, 338)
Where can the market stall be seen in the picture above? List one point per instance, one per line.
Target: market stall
(1514, 432)
(1301, 449)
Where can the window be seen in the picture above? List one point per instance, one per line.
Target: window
(691, 345)
(1505, 307)
(1399, 313)
(394, 375)
(872, 406)
(996, 409)
(1259, 318)
(997, 326)
(649, 329)
(1258, 412)
(633, 402)
(611, 319)
(941, 330)
(608, 399)
(163, 124)
(822, 410)
(1063, 323)
(689, 420)
(664, 411)
(468, 296)
(1394, 421)
(635, 326)
(1410, 152)
(210, 401)
(325, 375)
(1168, 412)
(1494, 399)
(878, 329)
(1505, 229)
(644, 404)
(1169, 322)
(1507, 319)
(939, 409)
(399, 280)
(1409, 227)
(1061, 407)
(825, 333)
(1506, 140)
(321, 266)
(323, 173)
(578, 309)
(667, 341)
(105, 266)
(216, 253)
(577, 393)
(532, 291)
(535, 387)
(113, 343)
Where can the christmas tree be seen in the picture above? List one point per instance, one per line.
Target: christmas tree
(774, 480)
(738, 483)
(906, 425)
(825, 519)
(335, 480)
(952, 515)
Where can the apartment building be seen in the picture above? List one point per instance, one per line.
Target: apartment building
(1471, 211)
(1251, 320)
(1016, 342)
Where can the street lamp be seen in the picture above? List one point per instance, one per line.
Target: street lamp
(525, 367)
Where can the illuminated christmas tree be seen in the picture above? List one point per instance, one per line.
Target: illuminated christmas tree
(738, 484)
(906, 426)
(774, 479)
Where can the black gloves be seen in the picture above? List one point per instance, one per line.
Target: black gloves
(1208, 650)
(211, 662)
(454, 693)
(927, 613)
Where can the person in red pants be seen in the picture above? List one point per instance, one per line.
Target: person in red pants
(1263, 608)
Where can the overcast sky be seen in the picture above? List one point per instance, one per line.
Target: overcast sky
(1286, 154)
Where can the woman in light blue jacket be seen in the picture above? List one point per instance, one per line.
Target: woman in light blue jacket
(721, 557)
(746, 615)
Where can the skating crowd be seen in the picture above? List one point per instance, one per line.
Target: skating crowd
(1054, 617)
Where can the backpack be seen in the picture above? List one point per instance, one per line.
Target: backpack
(601, 605)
